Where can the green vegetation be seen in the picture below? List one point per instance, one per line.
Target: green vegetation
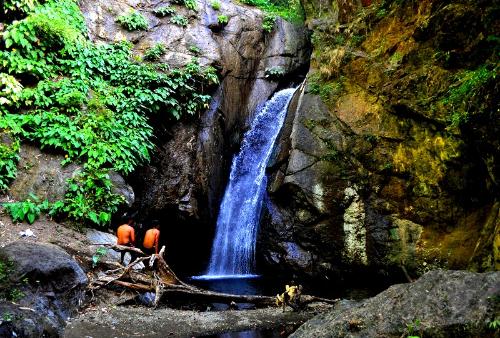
(465, 96)
(268, 23)
(15, 8)
(10, 91)
(133, 21)
(89, 198)
(100, 252)
(179, 20)
(494, 324)
(91, 103)
(274, 73)
(329, 90)
(290, 10)
(155, 52)
(164, 11)
(26, 211)
(7, 317)
(9, 156)
(194, 49)
(215, 5)
(412, 328)
(222, 19)
(189, 4)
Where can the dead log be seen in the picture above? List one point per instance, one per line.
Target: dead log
(306, 299)
(133, 286)
(196, 295)
(216, 297)
(165, 292)
(119, 248)
(161, 280)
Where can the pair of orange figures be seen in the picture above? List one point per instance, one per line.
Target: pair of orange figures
(126, 236)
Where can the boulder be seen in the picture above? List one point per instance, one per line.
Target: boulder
(41, 174)
(100, 237)
(439, 304)
(49, 285)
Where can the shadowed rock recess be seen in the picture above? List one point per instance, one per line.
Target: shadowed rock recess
(388, 164)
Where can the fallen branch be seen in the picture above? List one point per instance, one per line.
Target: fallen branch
(133, 286)
(306, 299)
(120, 248)
(167, 286)
(217, 297)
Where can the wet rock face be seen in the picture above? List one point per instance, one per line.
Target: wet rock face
(439, 304)
(369, 178)
(51, 286)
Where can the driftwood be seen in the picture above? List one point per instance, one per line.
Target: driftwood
(160, 279)
(119, 248)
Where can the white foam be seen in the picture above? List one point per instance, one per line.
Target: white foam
(215, 277)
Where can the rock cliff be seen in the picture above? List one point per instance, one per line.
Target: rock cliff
(388, 164)
(184, 182)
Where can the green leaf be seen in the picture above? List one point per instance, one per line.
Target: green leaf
(31, 218)
(93, 217)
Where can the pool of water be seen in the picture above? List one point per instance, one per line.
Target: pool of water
(239, 285)
(249, 285)
(268, 333)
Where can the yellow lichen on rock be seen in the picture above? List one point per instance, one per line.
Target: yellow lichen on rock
(426, 160)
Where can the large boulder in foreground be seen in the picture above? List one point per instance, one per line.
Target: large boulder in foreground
(47, 286)
(439, 304)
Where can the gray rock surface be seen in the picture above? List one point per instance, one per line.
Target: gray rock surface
(41, 174)
(439, 304)
(50, 284)
(100, 237)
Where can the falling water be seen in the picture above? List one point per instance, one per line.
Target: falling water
(233, 250)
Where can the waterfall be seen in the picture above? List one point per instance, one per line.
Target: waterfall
(233, 250)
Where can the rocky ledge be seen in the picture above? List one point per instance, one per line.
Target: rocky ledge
(439, 304)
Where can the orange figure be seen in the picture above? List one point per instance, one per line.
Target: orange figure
(126, 236)
(151, 239)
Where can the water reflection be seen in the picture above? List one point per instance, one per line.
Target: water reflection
(248, 334)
